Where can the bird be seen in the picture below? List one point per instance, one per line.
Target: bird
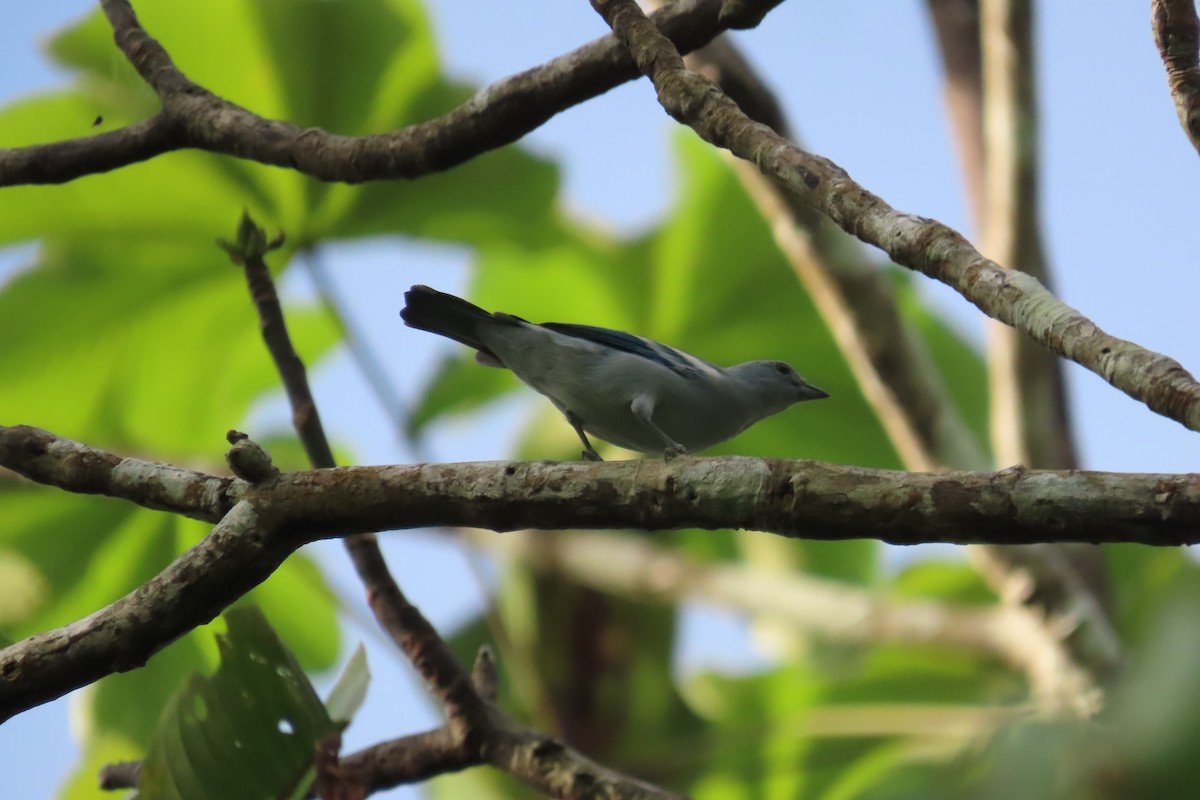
(625, 389)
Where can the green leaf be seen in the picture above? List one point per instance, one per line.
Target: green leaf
(458, 386)
(302, 608)
(160, 353)
(956, 582)
(140, 203)
(1143, 580)
(86, 552)
(249, 730)
(130, 704)
(55, 535)
(480, 784)
(758, 734)
(833, 725)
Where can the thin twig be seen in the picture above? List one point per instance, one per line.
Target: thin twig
(403, 621)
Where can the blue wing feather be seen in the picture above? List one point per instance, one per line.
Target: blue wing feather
(679, 362)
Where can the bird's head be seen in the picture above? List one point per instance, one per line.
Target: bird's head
(776, 384)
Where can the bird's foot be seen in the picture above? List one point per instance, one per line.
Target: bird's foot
(674, 450)
(591, 455)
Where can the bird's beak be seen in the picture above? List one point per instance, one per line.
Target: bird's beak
(810, 392)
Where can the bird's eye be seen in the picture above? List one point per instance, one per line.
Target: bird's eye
(782, 369)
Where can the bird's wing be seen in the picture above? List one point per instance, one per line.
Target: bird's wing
(679, 362)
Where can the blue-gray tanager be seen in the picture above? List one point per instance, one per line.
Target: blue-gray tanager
(625, 389)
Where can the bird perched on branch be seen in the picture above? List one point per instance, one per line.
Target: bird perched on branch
(625, 389)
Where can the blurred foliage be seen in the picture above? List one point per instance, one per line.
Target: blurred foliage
(129, 330)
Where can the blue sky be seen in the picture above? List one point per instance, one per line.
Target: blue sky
(860, 82)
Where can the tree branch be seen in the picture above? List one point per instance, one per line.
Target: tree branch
(791, 498)
(541, 761)
(794, 498)
(500, 114)
(957, 26)
(905, 389)
(1177, 34)
(78, 468)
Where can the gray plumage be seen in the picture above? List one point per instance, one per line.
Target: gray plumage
(634, 392)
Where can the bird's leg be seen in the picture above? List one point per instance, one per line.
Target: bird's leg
(589, 452)
(643, 410)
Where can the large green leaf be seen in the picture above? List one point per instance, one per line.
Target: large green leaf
(249, 730)
(377, 71)
(160, 351)
(108, 709)
(54, 537)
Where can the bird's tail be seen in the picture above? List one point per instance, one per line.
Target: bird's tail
(445, 315)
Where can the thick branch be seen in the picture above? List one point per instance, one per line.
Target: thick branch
(1177, 34)
(791, 498)
(500, 114)
(804, 499)
(78, 468)
(916, 242)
